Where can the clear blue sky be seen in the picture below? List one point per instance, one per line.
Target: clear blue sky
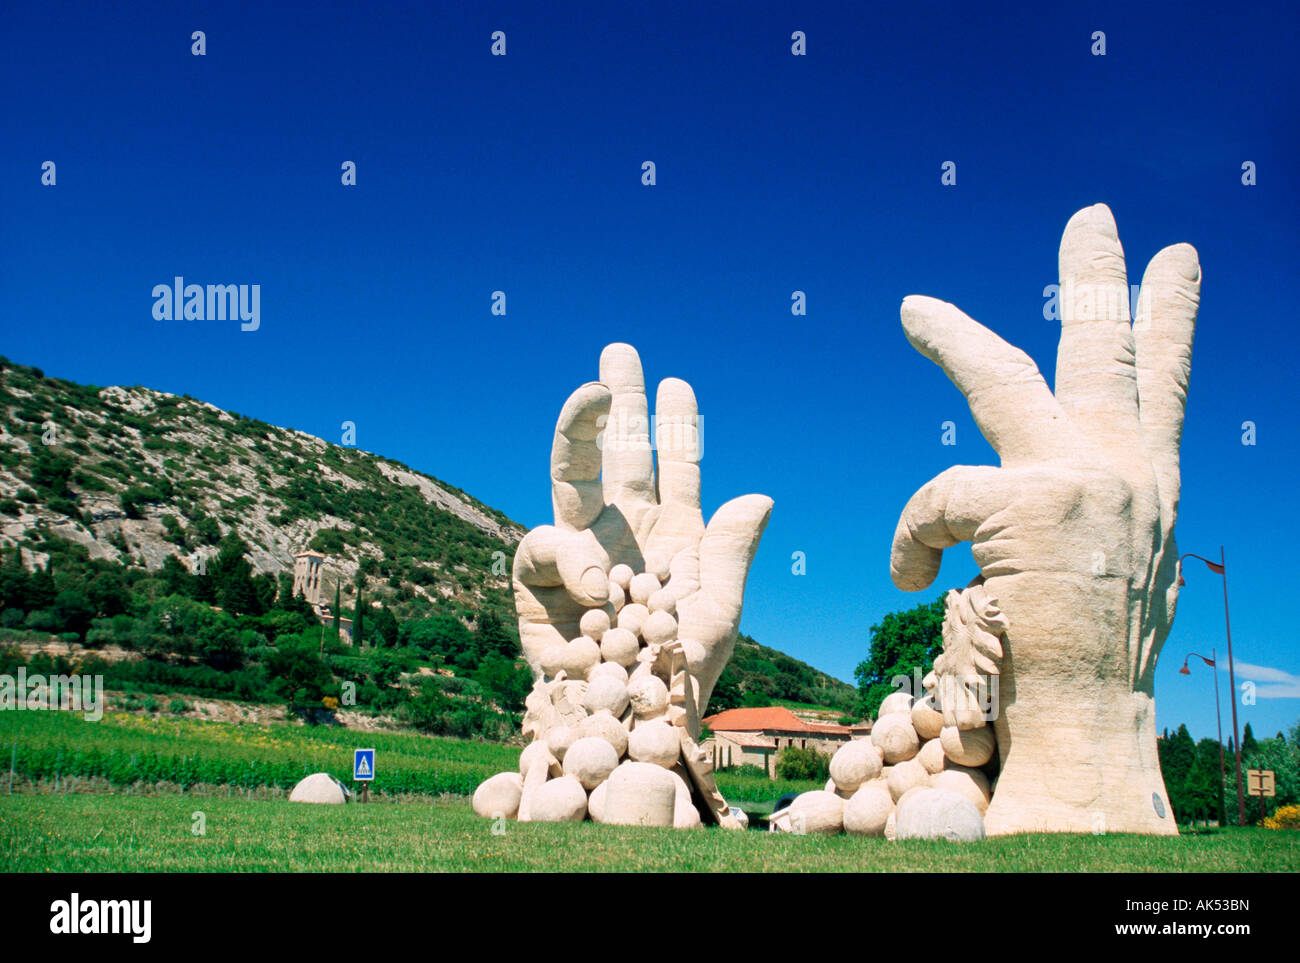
(775, 173)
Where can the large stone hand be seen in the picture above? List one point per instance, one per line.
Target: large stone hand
(1074, 533)
(610, 509)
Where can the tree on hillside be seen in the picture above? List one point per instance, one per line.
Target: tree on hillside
(1177, 756)
(358, 616)
(1248, 741)
(493, 637)
(336, 610)
(900, 644)
(232, 578)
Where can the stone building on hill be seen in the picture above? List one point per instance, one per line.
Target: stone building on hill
(755, 736)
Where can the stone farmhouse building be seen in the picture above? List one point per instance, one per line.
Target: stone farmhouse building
(756, 736)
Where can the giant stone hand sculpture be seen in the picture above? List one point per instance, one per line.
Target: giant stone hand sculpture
(611, 510)
(1074, 533)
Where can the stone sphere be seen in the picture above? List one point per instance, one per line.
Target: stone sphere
(608, 694)
(590, 760)
(658, 628)
(905, 776)
(621, 575)
(940, 814)
(620, 645)
(594, 623)
(895, 737)
(558, 741)
(895, 702)
(655, 742)
(908, 795)
(971, 783)
(931, 756)
(602, 725)
(617, 597)
(867, 811)
(580, 657)
(643, 586)
(319, 787)
(649, 697)
(552, 659)
(685, 815)
(926, 719)
(662, 601)
(596, 802)
(608, 670)
(817, 812)
(657, 564)
(561, 800)
(853, 764)
(968, 747)
(640, 794)
(694, 652)
(534, 751)
(499, 796)
(632, 616)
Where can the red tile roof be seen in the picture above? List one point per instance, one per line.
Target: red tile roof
(769, 719)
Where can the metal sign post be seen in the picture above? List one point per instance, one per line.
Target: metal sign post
(1261, 783)
(363, 770)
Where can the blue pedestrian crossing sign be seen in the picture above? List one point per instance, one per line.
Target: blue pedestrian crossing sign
(363, 764)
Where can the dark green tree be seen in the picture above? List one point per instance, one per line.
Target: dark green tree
(1248, 742)
(902, 643)
(1177, 756)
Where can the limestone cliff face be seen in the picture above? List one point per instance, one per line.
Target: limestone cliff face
(135, 475)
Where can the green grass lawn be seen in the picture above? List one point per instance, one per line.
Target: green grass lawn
(111, 833)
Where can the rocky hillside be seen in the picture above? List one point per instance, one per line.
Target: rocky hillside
(136, 475)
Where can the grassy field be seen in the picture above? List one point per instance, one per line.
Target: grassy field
(76, 833)
(125, 749)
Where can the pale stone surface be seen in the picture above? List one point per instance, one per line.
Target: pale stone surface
(581, 655)
(596, 802)
(649, 697)
(643, 586)
(905, 776)
(817, 812)
(931, 756)
(499, 796)
(552, 660)
(594, 623)
(1074, 532)
(685, 815)
(606, 694)
(968, 747)
(853, 764)
(602, 725)
(319, 787)
(895, 737)
(971, 783)
(607, 670)
(926, 719)
(590, 760)
(663, 601)
(617, 597)
(534, 751)
(621, 646)
(939, 814)
(654, 742)
(632, 617)
(558, 801)
(659, 627)
(640, 794)
(891, 825)
(559, 739)
(895, 702)
(615, 518)
(867, 811)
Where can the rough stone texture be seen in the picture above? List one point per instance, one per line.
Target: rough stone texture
(581, 655)
(619, 645)
(604, 726)
(606, 670)
(891, 825)
(685, 815)
(853, 764)
(1074, 532)
(649, 697)
(594, 623)
(534, 751)
(971, 783)
(931, 756)
(614, 518)
(939, 814)
(905, 776)
(640, 794)
(499, 796)
(606, 694)
(559, 739)
(926, 719)
(557, 801)
(817, 812)
(655, 742)
(867, 811)
(590, 760)
(968, 747)
(895, 737)
(319, 787)
(596, 802)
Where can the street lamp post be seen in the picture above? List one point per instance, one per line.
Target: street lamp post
(1221, 568)
(1218, 718)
